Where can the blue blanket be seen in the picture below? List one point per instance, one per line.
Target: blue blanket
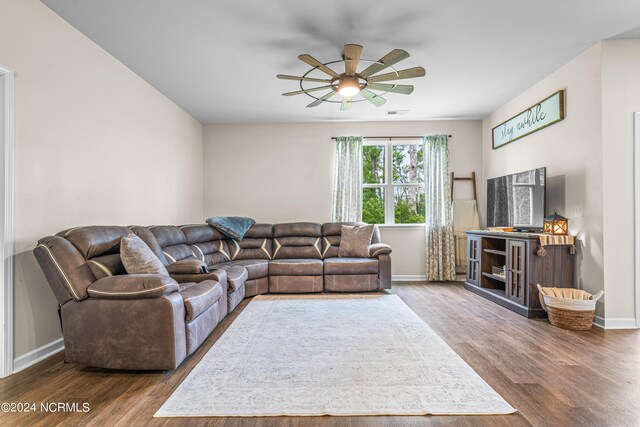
(231, 226)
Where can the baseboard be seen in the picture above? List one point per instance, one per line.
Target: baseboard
(37, 355)
(409, 278)
(598, 322)
(620, 323)
(616, 323)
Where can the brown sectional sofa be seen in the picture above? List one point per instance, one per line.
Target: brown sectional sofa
(112, 319)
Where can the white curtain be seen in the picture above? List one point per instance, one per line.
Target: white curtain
(347, 180)
(441, 264)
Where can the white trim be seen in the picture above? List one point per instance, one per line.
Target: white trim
(6, 233)
(401, 227)
(617, 323)
(409, 278)
(620, 323)
(636, 178)
(37, 355)
(598, 322)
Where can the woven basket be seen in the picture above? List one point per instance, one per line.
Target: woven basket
(569, 308)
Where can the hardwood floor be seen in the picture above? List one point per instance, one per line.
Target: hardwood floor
(552, 376)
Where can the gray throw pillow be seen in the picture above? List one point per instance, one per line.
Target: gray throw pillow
(138, 258)
(355, 241)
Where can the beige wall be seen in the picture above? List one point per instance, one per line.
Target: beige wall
(95, 144)
(572, 152)
(620, 99)
(284, 172)
(589, 160)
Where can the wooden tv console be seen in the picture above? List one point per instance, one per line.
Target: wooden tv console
(523, 269)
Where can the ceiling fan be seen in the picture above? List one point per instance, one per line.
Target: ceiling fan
(352, 83)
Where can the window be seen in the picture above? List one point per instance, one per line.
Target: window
(393, 183)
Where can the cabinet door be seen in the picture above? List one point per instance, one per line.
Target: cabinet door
(473, 260)
(516, 287)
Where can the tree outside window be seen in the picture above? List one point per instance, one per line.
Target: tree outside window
(393, 187)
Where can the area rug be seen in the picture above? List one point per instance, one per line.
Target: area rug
(331, 355)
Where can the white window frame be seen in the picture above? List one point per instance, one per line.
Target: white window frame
(388, 186)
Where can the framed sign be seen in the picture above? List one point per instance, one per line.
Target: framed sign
(545, 113)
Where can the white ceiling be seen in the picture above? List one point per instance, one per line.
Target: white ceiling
(219, 59)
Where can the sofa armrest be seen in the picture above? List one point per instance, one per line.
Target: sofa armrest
(132, 286)
(219, 276)
(378, 249)
(187, 266)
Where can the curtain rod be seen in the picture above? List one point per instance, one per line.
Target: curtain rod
(390, 137)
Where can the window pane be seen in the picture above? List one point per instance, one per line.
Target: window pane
(409, 207)
(408, 164)
(373, 205)
(373, 164)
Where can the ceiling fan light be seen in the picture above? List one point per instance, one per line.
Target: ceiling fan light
(348, 86)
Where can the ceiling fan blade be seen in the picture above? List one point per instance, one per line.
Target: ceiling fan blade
(346, 103)
(304, 79)
(389, 59)
(352, 54)
(314, 62)
(313, 89)
(376, 100)
(403, 89)
(402, 74)
(321, 100)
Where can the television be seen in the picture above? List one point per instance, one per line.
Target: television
(517, 200)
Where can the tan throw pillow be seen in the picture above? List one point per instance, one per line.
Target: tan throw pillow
(355, 241)
(137, 258)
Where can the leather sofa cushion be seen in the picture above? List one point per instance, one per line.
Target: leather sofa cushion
(106, 265)
(309, 229)
(138, 258)
(290, 252)
(187, 266)
(96, 240)
(178, 252)
(173, 243)
(259, 231)
(200, 297)
(199, 233)
(236, 275)
(256, 268)
(350, 266)
(168, 235)
(297, 240)
(133, 286)
(251, 248)
(295, 267)
(212, 252)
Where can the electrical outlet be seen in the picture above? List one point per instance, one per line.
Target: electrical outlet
(578, 211)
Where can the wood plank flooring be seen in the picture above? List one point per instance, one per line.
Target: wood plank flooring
(552, 376)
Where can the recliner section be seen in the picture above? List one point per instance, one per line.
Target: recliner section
(107, 315)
